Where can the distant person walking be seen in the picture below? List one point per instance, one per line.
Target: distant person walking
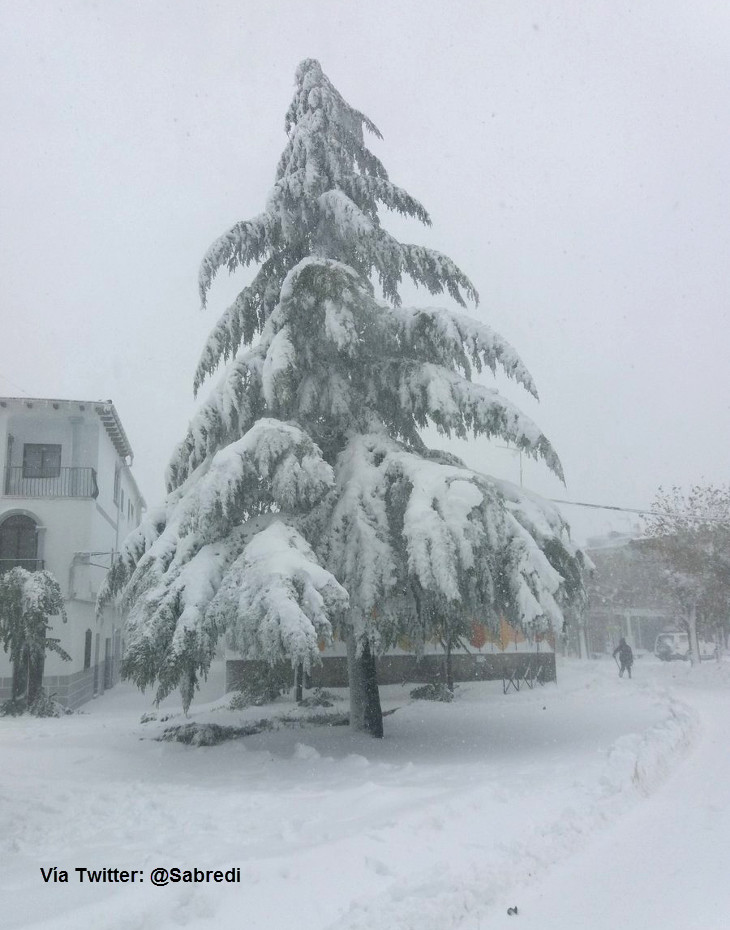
(625, 657)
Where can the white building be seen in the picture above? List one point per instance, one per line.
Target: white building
(67, 500)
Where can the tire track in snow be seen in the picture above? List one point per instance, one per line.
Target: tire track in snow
(444, 898)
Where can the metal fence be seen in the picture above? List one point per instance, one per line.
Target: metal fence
(68, 482)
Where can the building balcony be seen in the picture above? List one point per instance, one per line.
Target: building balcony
(62, 482)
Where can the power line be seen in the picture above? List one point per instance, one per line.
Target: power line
(16, 386)
(652, 513)
(644, 510)
(553, 500)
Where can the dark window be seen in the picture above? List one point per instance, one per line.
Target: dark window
(117, 483)
(87, 649)
(18, 543)
(41, 460)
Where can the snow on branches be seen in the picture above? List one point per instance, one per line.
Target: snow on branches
(211, 537)
(331, 351)
(246, 242)
(273, 466)
(302, 499)
(232, 408)
(284, 608)
(324, 202)
(352, 236)
(260, 585)
(457, 340)
(401, 520)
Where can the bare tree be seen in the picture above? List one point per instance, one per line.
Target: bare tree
(690, 533)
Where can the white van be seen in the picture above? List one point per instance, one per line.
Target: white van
(672, 645)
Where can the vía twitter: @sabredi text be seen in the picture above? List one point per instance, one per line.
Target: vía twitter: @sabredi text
(158, 876)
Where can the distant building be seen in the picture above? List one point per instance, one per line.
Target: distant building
(67, 500)
(627, 595)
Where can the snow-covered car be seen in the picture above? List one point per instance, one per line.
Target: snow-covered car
(674, 645)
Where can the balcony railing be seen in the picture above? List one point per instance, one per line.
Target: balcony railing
(30, 565)
(69, 482)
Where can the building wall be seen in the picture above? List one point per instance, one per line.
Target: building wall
(627, 596)
(75, 538)
(115, 512)
(405, 668)
(77, 435)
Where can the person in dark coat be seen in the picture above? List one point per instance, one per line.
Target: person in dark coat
(625, 657)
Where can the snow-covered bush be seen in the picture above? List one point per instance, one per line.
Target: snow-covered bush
(27, 602)
(319, 698)
(44, 705)
(433, 691)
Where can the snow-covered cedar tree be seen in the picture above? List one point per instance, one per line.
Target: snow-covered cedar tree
(27, 602)
(302, 502)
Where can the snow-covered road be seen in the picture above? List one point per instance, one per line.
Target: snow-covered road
(665, 866)
(548, 799)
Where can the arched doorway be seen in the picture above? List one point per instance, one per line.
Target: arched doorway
(19, 543)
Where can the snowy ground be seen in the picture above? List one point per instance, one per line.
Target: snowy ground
(594, 803)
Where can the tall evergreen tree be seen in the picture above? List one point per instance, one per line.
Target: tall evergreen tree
(303, 502)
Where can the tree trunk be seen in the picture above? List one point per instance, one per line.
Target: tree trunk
(35, 678)
(365, 712)
(448, 668)
(20, 678)
(27, 681)
(694, 645)
(583, 640)
(298, 679)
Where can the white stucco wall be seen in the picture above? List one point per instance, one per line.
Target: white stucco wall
(75, 536)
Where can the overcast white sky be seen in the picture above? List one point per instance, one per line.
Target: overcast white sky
(574, 156)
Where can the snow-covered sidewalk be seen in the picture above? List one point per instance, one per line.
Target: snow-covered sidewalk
(461, 811)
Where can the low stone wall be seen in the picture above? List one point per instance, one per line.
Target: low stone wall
(403, 669)
(70, 690)
(73, 690)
